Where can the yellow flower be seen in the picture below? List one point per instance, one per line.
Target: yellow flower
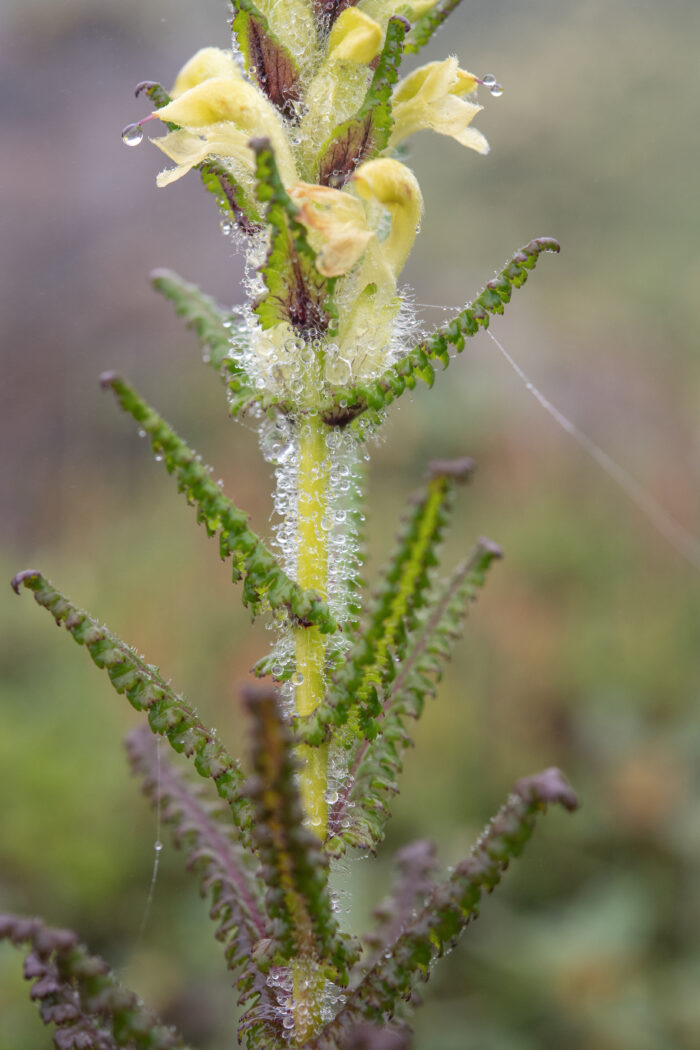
(394, 187)
(207, 63)
(343, 228)
(217, 117)
(355, 37)
(432, 97)
(336, 224)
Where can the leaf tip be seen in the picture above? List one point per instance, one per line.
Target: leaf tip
(459, 469)
(22, 577)
(108, 379)
(548, 786)
(490, 547)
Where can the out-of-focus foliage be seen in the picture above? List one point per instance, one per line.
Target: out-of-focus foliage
(584, 650)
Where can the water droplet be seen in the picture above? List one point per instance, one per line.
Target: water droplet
(492, 84)
(158, 847)
(132, 135)
(297, 678)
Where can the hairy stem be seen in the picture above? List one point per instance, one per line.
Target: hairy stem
(312, 565)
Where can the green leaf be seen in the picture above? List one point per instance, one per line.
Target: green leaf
(234, 204)
(264, 581)
(414, 865)
(347, 405)
(367, 133)
(294, 867)
(359, 816)
(168, 714)
(211, 323)
(450, 907)
(358, 687)
(203, 829)
(267, 59)
(218, 332)
(79, 995)
(155, 91)
(424, 27)
(296, 292)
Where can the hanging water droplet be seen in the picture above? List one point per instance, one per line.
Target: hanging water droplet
(492, 84)
(132, 135)
(158, 847)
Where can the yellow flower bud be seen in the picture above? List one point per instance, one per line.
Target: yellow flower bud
(355, 37)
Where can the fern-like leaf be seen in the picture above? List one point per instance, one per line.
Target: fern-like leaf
(266, 58)
(415, 866)
(347, 404)
(296, 292)
(359, 816)
(367, 133)
(79, 995)
(294, 868)
(203, 828)
(424, 26)
(221, 339)
(201, 314)
(264, 581)
(449, 908)
(145, 689)
(357, 691)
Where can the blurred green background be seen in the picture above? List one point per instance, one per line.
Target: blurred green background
(583, 651)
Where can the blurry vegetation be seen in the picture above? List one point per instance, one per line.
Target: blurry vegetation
(583, 651)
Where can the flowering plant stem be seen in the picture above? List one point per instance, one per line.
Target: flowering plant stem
(295, 133)
(313, 512)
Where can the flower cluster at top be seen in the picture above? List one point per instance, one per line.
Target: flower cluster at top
(317, 79)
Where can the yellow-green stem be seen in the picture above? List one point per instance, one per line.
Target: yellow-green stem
(312, 571)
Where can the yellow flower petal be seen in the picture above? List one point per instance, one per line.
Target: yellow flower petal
(233, 101)
(395, 187)
(355, 37)
(336, 224)
(207, 63)
(188, 148)
(432, 98)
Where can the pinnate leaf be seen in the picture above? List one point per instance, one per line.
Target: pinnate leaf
(347, 404)
(78, 994)
(359, 816)
(264, 580)
(357, 690)
(449, 908)
(168, 714)
(424, 26)
(296, 292)
(294, 868)
(227, 871)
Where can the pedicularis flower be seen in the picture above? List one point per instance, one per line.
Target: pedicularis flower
(318, 80)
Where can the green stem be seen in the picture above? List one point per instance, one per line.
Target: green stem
(312, 571)
(312, 567)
